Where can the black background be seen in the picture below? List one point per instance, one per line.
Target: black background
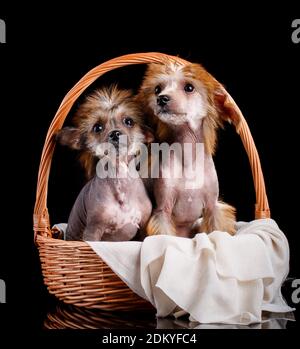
(249, 50)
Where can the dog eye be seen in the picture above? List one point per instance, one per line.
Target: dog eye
(189, 88)
(128, 122)
(157, 90)
(97, 128)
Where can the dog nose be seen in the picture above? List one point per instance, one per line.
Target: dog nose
(163, 100)
(114, 135)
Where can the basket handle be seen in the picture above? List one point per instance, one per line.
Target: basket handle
(41, 221)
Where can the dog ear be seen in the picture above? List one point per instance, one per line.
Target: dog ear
(226, 107)
(148, 134)
(69, 136)
(222, 108)
(89, 162)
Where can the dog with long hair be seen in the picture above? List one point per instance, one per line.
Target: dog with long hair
(181, 107)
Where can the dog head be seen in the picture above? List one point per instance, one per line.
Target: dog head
(179, 94)
(107, 117)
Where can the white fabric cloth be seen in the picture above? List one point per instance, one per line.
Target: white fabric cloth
(216, 278)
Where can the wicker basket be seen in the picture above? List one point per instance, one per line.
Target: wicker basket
(72, 271)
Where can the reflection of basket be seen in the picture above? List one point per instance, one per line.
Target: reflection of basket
(66, 316)
(72, 271)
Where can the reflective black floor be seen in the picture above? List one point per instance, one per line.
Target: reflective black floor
(70, 317)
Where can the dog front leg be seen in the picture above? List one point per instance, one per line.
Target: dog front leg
(161, 222)
(93, 233)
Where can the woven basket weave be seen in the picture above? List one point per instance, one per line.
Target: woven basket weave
(72, 271)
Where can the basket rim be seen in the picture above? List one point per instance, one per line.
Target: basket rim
(41, 219)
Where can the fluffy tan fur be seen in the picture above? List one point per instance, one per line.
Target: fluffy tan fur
(157, 224)
(222, 218)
